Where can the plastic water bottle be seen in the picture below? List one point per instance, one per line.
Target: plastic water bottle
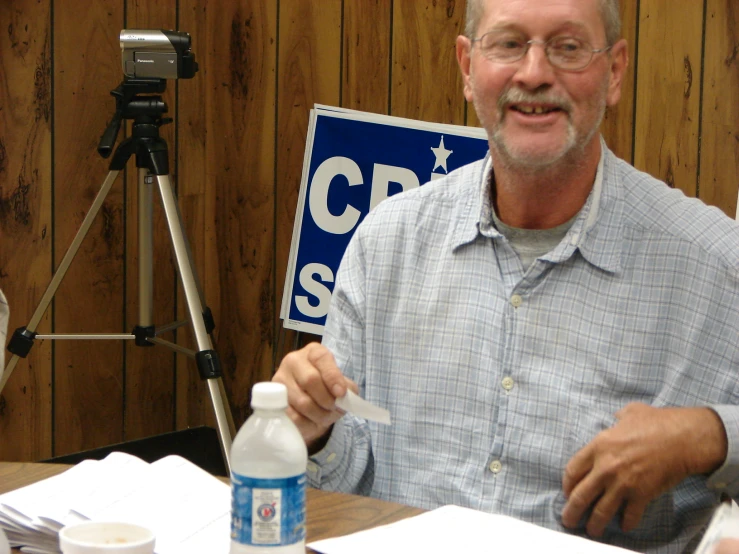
(268, 463)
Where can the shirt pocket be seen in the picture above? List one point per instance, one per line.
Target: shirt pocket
(658, 522)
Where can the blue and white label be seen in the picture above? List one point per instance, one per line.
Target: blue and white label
(267, 512)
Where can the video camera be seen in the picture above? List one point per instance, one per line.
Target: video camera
(149, 58)
(157, 54)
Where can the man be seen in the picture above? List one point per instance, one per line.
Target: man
(553, 332)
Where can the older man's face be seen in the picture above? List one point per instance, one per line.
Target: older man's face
(535, 113)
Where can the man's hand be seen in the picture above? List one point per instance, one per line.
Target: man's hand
(645, 454)
(313, 382)
(727, 546)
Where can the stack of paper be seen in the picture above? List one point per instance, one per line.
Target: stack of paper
(455, 529)
(187, 508)
(724, 525)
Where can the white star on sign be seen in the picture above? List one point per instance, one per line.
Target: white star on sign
(441, 154)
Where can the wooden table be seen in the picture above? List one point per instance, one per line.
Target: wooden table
(329, 514)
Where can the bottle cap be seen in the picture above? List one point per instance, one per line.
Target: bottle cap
(269, 396)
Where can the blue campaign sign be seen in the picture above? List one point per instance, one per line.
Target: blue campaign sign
(353, 161)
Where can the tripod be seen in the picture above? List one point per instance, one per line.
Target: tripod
(153, 166)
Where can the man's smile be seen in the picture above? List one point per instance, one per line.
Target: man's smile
(537, 109)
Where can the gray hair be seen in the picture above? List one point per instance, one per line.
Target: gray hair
(608, 10)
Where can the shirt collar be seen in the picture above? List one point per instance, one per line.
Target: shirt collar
(597, 231)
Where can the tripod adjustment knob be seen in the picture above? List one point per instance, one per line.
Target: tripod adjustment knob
(21, 342)
(209, 365)
(142, 333)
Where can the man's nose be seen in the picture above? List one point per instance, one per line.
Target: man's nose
(534, 68)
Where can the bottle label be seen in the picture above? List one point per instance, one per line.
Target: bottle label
(267, 512)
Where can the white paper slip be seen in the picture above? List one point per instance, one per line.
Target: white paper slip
(361, 408)
(455, 529)
(724, 524)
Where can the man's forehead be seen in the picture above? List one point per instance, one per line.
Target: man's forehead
(580, 14)
(584, 9)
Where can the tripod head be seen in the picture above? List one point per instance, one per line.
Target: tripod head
(129, 105)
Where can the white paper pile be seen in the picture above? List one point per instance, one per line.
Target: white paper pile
(455, 529)
(187, 508)
(724, 525)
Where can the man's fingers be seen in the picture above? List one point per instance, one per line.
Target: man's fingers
(633, 513)
(576, 469)
(332, 378)
(303, 401)
(313, 383)
(351, 385)
(579, 499)
(313, 387)
(727, 546)
(603, 512)
(310, 430)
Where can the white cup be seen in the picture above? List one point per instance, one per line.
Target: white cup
(106, 537)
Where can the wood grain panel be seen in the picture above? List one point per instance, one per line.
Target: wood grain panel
(719, 168)
(618, 123)
(149, 388)
(366, 56)
(308, 72)
(239, 42)
(668, 92)
(195, 188)
(25, 219)
(426, 83)
(88, 377)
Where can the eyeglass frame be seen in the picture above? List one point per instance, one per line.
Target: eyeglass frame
(545, 44)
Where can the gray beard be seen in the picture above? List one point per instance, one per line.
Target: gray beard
(570, 156)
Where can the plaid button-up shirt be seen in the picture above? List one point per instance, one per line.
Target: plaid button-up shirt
(495, 375)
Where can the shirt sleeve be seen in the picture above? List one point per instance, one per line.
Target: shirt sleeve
(726, 478)
(346, 463)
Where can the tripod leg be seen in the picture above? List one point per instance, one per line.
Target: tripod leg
(29, 331)
(207, 314)
(146, 256)
(207, 359)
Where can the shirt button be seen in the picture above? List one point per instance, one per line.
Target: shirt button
(495, 466)
(507, 383)
(516, 300)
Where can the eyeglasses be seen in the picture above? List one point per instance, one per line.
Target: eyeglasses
(568, 53)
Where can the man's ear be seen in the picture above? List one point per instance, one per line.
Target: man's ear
(464, 50)
(619, 62)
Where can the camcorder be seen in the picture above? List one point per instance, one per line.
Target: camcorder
(149, 58)
(157, 54)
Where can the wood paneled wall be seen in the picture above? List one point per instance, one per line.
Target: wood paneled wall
(236, 151)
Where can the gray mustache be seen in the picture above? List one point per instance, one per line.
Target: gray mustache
(518, 96)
